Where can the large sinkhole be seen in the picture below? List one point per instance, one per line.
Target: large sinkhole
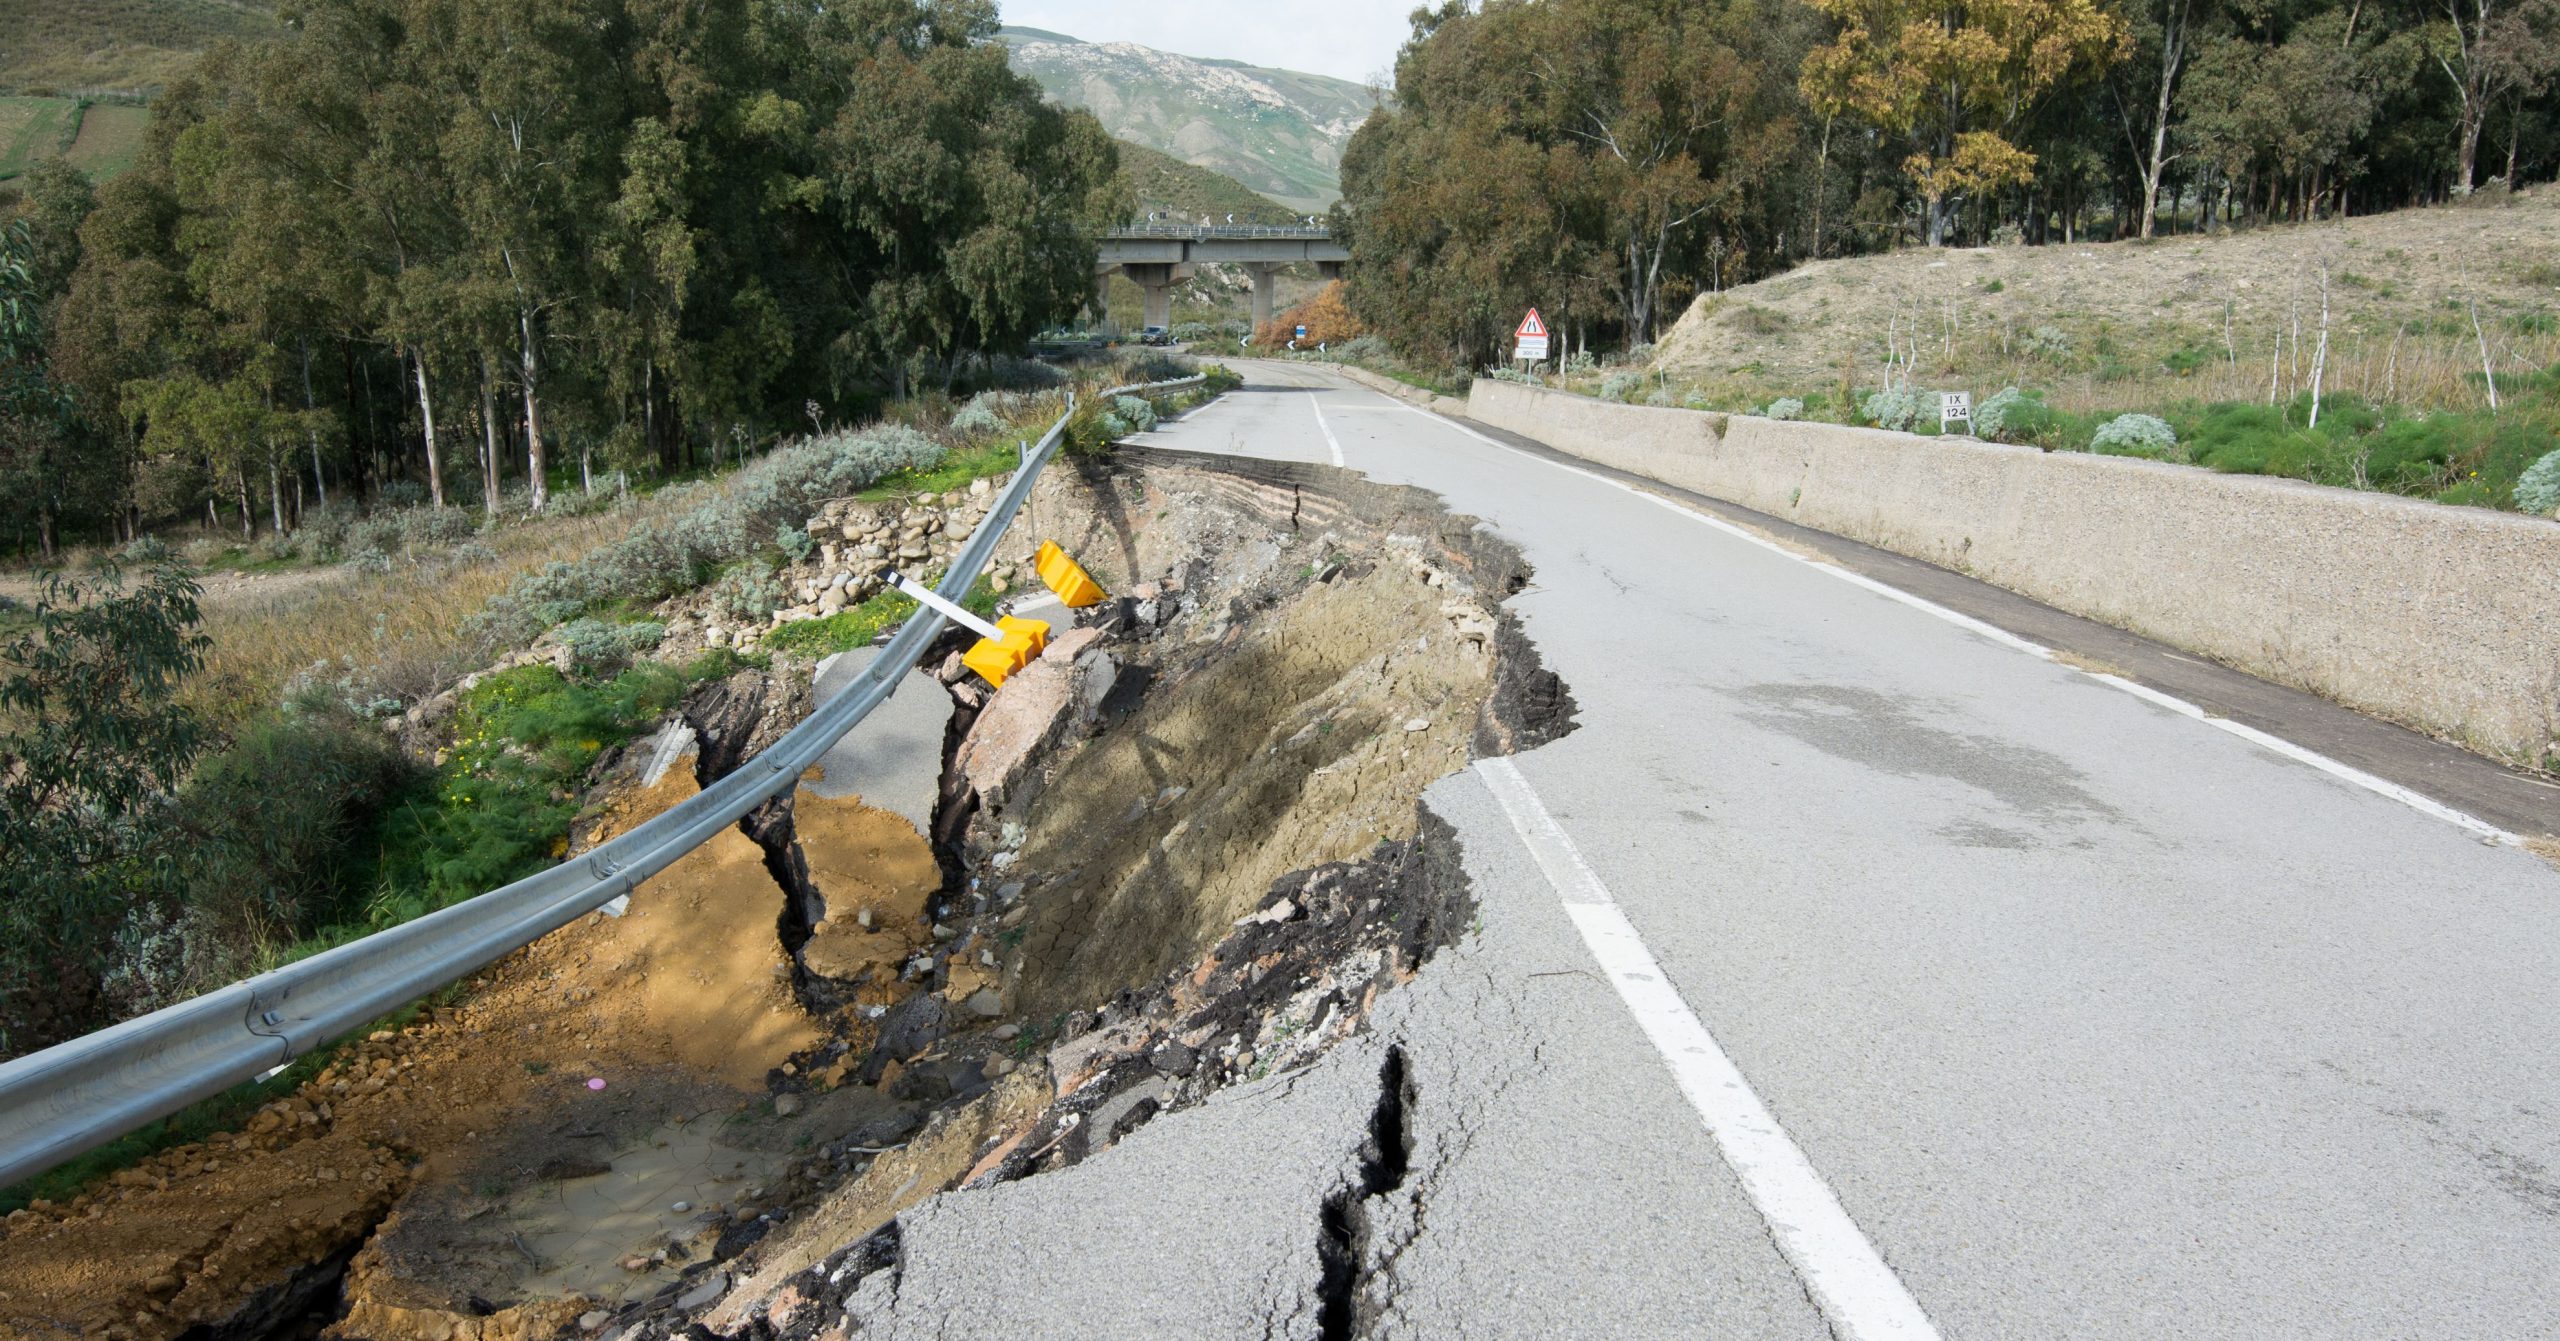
(1185, 850)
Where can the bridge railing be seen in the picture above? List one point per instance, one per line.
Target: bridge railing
(1219, 232)
(78, 1095)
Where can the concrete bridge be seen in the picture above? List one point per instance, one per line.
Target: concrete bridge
(1156, 256)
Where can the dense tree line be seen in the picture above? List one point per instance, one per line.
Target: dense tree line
(475, 243)
(1607, 159)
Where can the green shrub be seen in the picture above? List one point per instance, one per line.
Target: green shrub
(1896, 408)
(661, 557)
(1785, 407)
(596, 647)
(93, 743)
(2538, 488)
(501, 803)
(2012, 415)
(2049, 343)
(748, 592)
(2135, 435)
(275, 822)
(1137, 412)
(1623, 386)
(1090, 430)
(2185, 362)
(987, 414)
(795, 542)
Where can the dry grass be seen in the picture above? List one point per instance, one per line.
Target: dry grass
(32, 129)
(409, 622)
(2546, 848)
(2184, 318)
(110, 138)
(116, 44)
(2089, 665)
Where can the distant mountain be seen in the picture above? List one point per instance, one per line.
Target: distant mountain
(1279, 132)
(1168, 186)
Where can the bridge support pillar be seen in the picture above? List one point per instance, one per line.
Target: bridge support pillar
(1263, 272)
(1156, 280)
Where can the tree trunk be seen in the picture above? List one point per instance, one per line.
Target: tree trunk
(311, 406)
(2466, 169)
(1821, 186)
(2515, 128)
(489, 455)
(533, 416)
(248, 525)
(427, 416)
(275, 493)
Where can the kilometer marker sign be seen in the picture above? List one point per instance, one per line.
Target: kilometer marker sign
(1533, 339)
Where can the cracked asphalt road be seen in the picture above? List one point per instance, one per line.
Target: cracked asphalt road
(2099, 1022)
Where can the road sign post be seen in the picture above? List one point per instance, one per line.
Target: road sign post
(1955, 407)
(1532, 337)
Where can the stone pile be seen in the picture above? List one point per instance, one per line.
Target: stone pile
(859, 543)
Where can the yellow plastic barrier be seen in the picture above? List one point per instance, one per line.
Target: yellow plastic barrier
(996, 659)
(1075, 589)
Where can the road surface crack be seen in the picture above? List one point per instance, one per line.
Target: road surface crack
(1345, 1306)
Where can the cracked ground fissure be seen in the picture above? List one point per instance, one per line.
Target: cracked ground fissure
(1345, 1308)
(1205, 871)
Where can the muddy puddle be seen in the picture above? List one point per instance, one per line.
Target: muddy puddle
(1183, 851)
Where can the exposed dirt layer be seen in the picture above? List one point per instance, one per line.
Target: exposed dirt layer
(1190, 839)
(1184, 849)
(477, 1138)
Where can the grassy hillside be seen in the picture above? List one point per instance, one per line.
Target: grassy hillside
(2108, 324)
(100, 138)
(132, 45)
(2227, 352)
(34, 128)
(1166, 185)
(1279, 132)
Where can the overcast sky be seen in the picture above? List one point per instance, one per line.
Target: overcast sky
(1348, 39)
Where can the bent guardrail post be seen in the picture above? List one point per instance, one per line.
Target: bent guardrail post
(76, 1096)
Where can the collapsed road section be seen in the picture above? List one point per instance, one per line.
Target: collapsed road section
(1184, 850)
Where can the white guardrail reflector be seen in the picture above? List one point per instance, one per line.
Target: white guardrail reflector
(78, 1095)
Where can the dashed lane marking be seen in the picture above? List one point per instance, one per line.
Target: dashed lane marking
(1858, 1294)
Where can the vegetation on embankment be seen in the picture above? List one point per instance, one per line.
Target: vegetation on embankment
(251, 805)
(699, 247)
(1662, 151)
(124, 45)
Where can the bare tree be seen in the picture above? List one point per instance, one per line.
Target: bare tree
(2177, 19)
(2494, 48)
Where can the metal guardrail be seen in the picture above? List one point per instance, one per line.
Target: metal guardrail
(78, 1095)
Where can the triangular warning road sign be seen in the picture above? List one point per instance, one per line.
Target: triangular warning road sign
(1534, 326)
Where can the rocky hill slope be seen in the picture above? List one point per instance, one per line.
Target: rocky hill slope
(1279, 132)
(1165, 185)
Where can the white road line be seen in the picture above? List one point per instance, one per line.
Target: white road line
(1858, 1294)
(2347, 773)
(1329, 439)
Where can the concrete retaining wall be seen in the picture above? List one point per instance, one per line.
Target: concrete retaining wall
(1410, 395)
(2444, 618)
